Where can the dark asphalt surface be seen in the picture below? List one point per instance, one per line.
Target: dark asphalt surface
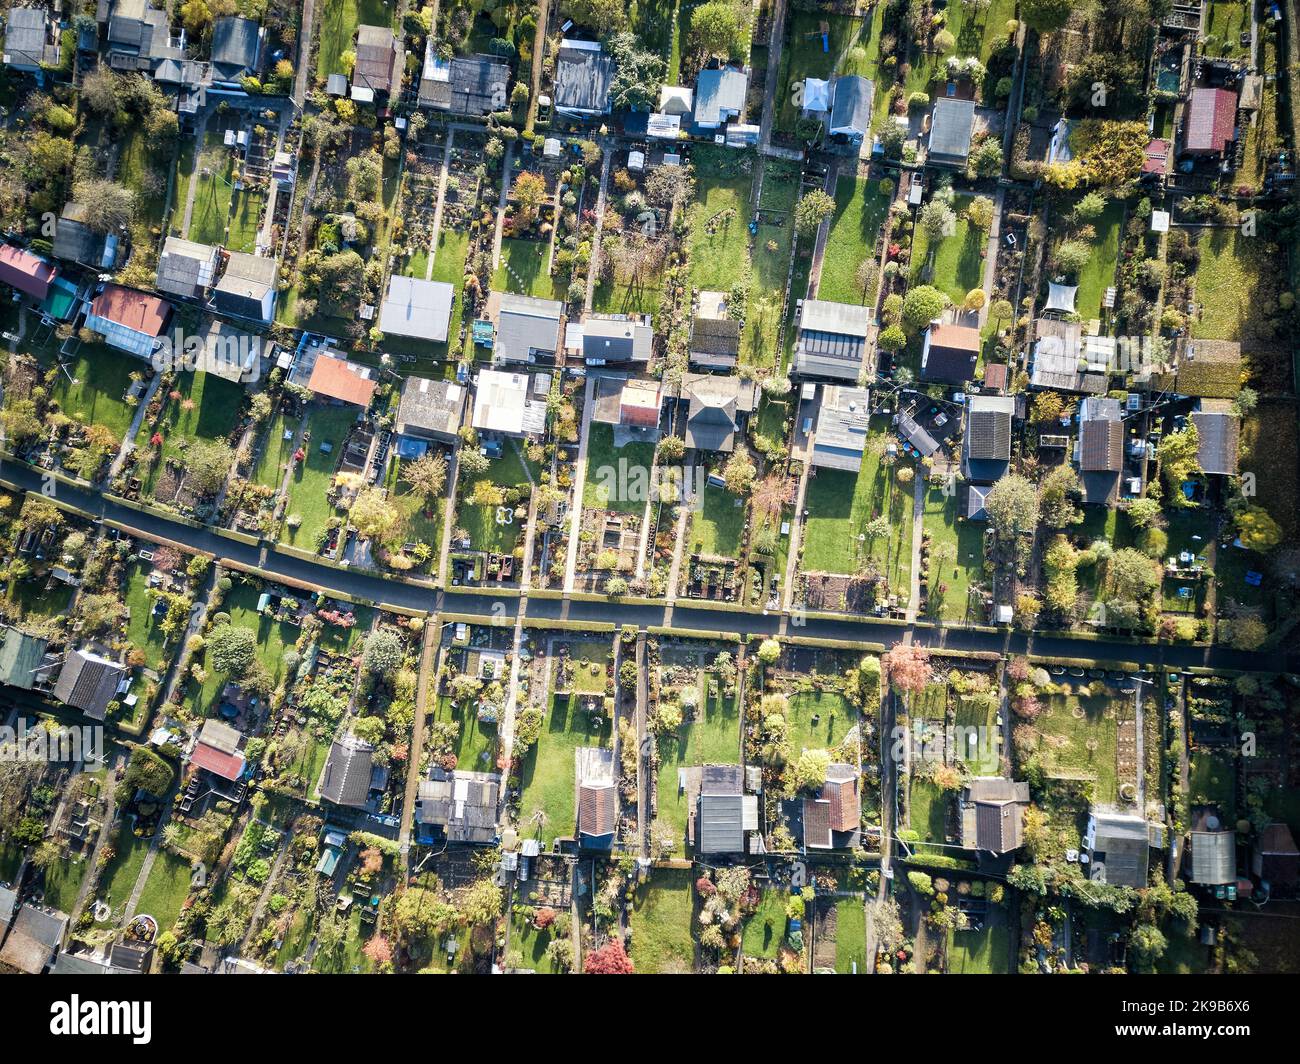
(482, 602)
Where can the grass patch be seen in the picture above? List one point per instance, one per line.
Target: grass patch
(850, 936)
(1077, 740)
(860, 209)
(476, 742)
(819, 720)
(142, 627)
(338, 27)
(712, 738)
(549, 768)
(661, 916)
(957, 265)
(852, 47)
(1228, 274)
(523, 269)
(611, 470)
(956, 557)
(765, 929)
(719, 523)
(311, 478)
(719, 234)
(277, 450)
(982, 952)
(1099, 274)
(206, 410)
(95, 395)
(166, 889)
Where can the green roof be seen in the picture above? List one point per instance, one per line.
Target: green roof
(20, 656)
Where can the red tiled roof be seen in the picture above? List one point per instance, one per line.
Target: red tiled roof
(955, 337)
(846, 809)
(597, 810)
(995, 375)
(227, 766)
(1211, 119)
(336, 379)
(1157, 154)
(28, 273)
(132, 310)
(816, 823)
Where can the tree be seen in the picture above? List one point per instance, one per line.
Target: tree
(1057, 497)
(637, 74)
(810, 770)
(937, 220)
(719, 28)
(427, 475)
(908, 667)
(1256, 528)
(231, 649)
(530, 194)
(369, 729)
(208, 463)
(1072, 256)
(420, 914)
(603, 16)
(671, 449)
(107, 206)
(383, 652)
(1046, 15)
(980, 213)
(1132, 574)
(480, 902)
(738, 473)
(892, 339)
(610, 959)
(921, 306)
(1177, 454)
(101, 91)
(768, 651)
(196, 16)
(1012, 505)
(1090, 207)
(985, 159)
(1244, 633)
(811, 210)
(373, 516)
(1148, 944)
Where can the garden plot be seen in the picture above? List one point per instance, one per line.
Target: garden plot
(955, 265)
(309, 504)
(719, 233)
(488, 505)
(215, 172)
(1078, 738)
(197, 409)
(861, 207)
(338, 26)
(92, 388)
(770, 265)
(1236, 277)
(694, 686)
(955, 560)
(633, 251)
(576, 715)
(660, 921)
(852, 46)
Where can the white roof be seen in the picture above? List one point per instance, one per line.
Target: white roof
(502, 404)
(675, 100)
(816, 94)
(663, 127)
(1159, 221)
(415, 307)
(1061, 297)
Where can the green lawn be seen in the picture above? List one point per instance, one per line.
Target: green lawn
(206, 410)
(765, 928)
(616, 476)
(661, 920)
(956, 557)
(166, 889)
(719, 523)
(142, 627)
(1099, 274)
(770, 266)
(549, 768)
(273, 639)
(311, 478)
(210, 215)
(1079, 741)
(712, 739)
(983, 952)
(818, 720)
(719, 236)
(860, 209)
(476, 742)
(338, 26)
(1229, 273)
(485, 532)
(102, 376)
(1213, 781)
(118, 877)
(850, 936)
(957, 265)
(276, 451)
(531, 944)
(841, 503)
(523, 269)
(928, 811)
(247, 206)
(62, 882)
(1225, 21)
(34, 602)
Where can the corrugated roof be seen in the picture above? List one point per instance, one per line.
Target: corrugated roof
(1217, 429)
(1211, 120)
(583, 76)
(28, 273)
(950, 130)
(851, 111)
(146, 314)
(416, 307)
(719, 95)
(338, 379)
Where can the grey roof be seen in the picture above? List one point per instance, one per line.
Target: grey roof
(85, 964)
(33, 938)
(615, 339)
(1214, 857)
(720, 819)
(842, 422)
(346, 776)
(583, 76)
(8, 903)
(416, 307)
(715, 406)
(135, 28)
(243, 286)
(992, 813)
(74, 240)
(1120, 848)
(377, 59)
(715, 342)
(89, 682)
(186, 268)
(234, 46)
(478, 85)
(832, 340)
(527, 325)
(26, 42)
(950, 130)
(851, 111)
(1217, 430)
(1058, 359)
(20, 656)
(1101, 436)
(719, 95)
(988, 427)
(430, 408)
(916, 435)
(463, 804)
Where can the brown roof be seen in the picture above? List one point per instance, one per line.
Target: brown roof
(1217, 428)
(817, 823)
(597, 809)
(955, 337)
(28, 273)
(133, 310)
(1211, 119)
(335, 378)
(995, 376)
(1101, 446)
(845, 806)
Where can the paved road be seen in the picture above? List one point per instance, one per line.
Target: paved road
(502, 609)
